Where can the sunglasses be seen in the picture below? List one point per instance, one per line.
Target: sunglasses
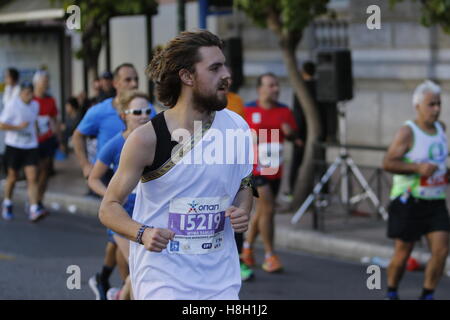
(138, 112)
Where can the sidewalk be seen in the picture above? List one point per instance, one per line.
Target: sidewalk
(350, 238)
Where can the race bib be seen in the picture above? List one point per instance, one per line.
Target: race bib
(198, 224)
(24, 137)
(435, 185)
(256, 117)
(43, 124)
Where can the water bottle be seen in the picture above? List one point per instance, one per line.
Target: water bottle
(382, 262)
(405, 196)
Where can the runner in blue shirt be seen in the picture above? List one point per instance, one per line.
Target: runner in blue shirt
(103, 122)
(135, 112)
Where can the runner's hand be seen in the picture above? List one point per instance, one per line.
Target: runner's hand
(156, 239)
(426, 169)
(239, 218)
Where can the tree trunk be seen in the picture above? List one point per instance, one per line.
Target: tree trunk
(92, 45)
(92, 75)
(288, 43)
(305, 180)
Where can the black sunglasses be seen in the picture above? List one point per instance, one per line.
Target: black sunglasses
(138, 112)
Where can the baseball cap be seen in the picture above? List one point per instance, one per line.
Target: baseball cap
(26, 85)
(106, 75)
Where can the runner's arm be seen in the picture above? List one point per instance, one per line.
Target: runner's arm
(6, 126)
(56, 128)
(95, 178)
(133, 160)
(79, 145)
(137, 153)
(244, 199)
(291, 134)
(393, 161)
(239, 212)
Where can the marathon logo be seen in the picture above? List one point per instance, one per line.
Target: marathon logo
(199, 205)
(212, 207)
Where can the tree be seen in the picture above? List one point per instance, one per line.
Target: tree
(95, 14)
(288, 19)
(434, 12)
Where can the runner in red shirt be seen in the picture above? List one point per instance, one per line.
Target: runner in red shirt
(273, 122)
(47, 124)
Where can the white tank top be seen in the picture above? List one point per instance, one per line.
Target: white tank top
(202, 261)
(427, 148)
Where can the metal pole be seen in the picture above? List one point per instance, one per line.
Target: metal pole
(181, 15)
(343, 154)
(108, 46)
(62, 72)
(203, 13)
(149, 52)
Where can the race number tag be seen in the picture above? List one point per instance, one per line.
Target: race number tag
(435, 185)
(198, 224)
(256, 117)
(43, 124)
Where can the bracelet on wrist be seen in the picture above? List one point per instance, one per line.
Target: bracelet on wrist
(141, 233)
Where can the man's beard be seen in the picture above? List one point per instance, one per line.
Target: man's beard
(209, 102)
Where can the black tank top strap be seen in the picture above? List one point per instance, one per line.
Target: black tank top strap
(164, 143)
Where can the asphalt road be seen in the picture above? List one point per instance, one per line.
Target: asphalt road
(34, 259)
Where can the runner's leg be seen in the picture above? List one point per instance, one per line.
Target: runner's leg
(398, 262)
(438, 244)
(32, 185)
(10, 183)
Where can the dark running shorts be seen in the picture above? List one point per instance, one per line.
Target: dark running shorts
(16, 158)
(274, 184)
(47, 148)
(411, 220)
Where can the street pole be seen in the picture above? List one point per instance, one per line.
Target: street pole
(181, 15)
(149, 52)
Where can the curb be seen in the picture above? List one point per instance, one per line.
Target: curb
(80, 205)
(331, 246)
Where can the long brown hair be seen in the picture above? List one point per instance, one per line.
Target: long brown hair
(179, 53)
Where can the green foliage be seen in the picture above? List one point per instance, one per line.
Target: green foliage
(4, 2)
(101, 10)
(293, 15)
(95, 14)
(434, 12)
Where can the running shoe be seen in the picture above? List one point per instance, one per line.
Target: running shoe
(392, 296)
(272, 264)
(99, 289)
(248, 257)
(38, 214)
(427, 297)
(246, 272)
(113, 294)
(7, 212)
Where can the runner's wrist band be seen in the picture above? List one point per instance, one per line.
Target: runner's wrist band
(141, 233)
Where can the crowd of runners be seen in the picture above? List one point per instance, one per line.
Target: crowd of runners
(176, 227)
